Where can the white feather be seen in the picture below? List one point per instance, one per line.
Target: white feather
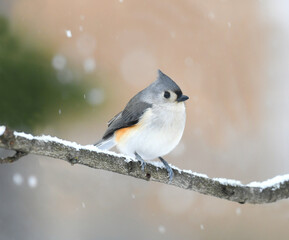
(157, 133)
(106, 144)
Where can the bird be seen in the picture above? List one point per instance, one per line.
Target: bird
(151, 124)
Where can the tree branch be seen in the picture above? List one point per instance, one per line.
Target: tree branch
(268, 191)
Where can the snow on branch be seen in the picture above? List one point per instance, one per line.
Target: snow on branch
(268, 191)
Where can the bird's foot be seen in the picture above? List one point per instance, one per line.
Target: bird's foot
(169, 169)
(142, 162)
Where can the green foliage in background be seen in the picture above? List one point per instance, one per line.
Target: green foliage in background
(30, 92)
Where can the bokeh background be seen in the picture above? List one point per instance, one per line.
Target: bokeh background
(66, 67)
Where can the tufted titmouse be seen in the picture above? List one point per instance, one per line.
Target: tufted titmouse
(151, 125)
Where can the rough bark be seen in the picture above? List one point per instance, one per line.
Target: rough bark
(232, 190)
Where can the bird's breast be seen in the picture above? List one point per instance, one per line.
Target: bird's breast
(156, 134)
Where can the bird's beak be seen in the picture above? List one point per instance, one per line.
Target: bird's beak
(182, 98)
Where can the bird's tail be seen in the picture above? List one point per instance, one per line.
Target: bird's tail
(105, 144)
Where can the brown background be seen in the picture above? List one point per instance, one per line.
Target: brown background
(230, 57)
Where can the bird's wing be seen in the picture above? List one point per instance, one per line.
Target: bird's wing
(111, 120)
(128, 117)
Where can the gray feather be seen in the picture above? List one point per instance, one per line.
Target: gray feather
(127, 118)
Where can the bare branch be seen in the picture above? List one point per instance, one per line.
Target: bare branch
(268, 191)
(13, 158)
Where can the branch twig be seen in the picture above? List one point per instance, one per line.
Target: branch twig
(268, 191)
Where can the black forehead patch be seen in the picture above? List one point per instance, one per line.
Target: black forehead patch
(179, 93)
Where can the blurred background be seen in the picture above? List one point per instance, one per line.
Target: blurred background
(67, 67)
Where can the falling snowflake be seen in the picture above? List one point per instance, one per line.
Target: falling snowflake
(17, 179)
(32, 181)
(68, 33)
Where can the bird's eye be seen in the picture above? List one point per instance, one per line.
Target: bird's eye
(167, 94)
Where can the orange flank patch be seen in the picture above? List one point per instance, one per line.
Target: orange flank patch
(120, 133)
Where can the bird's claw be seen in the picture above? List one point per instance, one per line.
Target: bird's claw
(168, 168)
(142, 162)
